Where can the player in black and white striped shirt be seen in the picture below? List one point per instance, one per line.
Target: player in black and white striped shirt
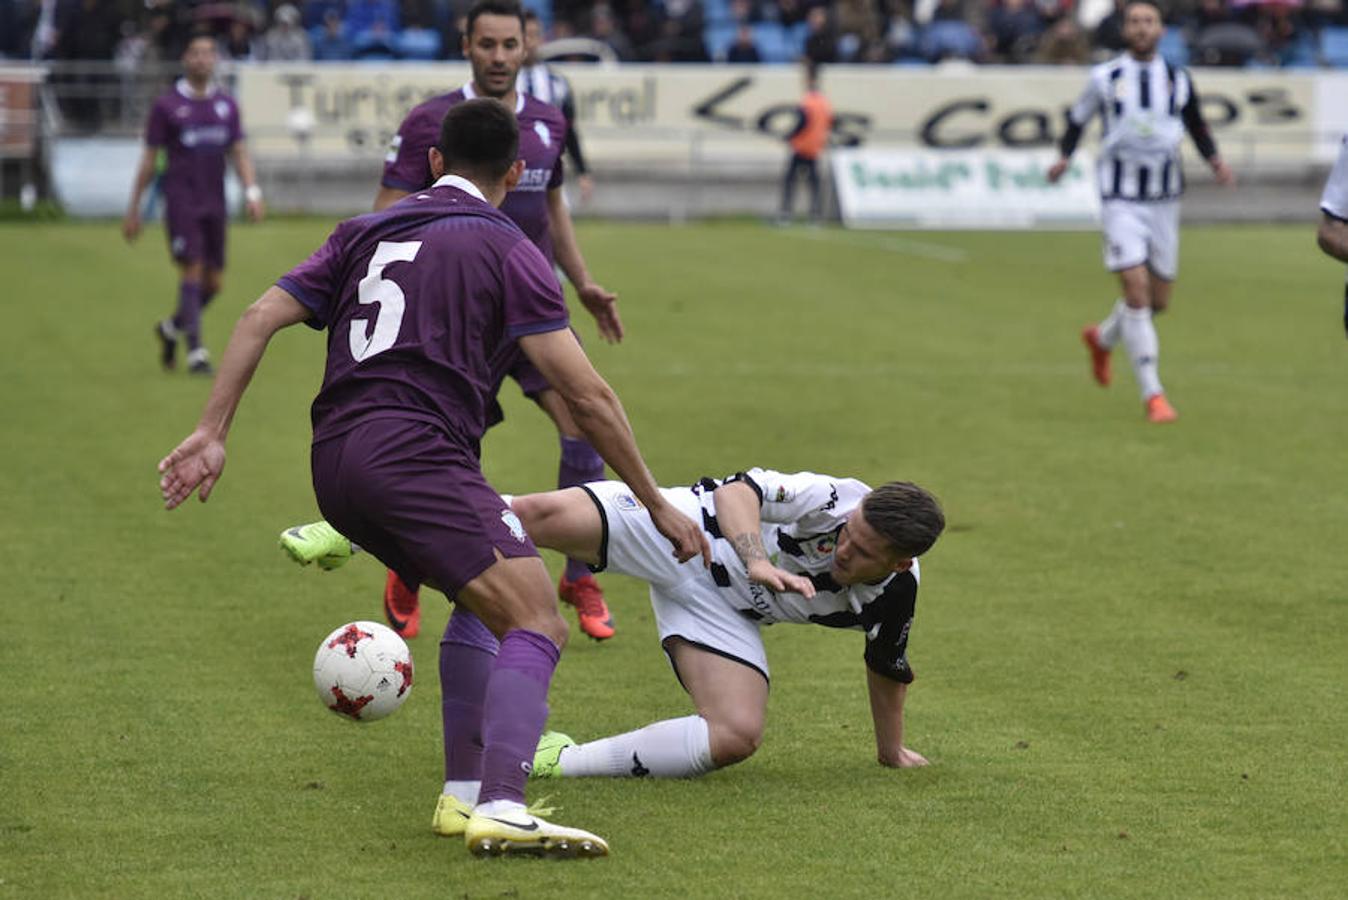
(539, 80)
(1145, 106)
(1333, 232)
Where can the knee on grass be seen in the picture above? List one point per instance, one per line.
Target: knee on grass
(734, 739)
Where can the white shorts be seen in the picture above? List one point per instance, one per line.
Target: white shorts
(687, 603)
(1141, 233)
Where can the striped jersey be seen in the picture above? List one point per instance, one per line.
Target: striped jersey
(802, 515)
(1144, 109)
(542, 83)
(1334, 201)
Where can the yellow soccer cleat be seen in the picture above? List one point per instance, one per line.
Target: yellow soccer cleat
(521, 833)
(451, 816)
(547, 757)
(316, 542)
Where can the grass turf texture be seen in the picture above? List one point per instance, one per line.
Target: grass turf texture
(1129, 645)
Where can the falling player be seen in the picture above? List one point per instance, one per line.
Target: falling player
(1145, 105)
(197, 124)
(493, 44)
(425, 305)
(846, 557)
(1332, 235)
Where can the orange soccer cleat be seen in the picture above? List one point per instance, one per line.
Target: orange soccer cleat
(587, 597)
(402, 606)
(1159, 409)
(1090, 336)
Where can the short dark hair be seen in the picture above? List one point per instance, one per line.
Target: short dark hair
(530, 16)
(479, 137)
(1154, 4)
(493, 8)
(905, 515)
(199, 33)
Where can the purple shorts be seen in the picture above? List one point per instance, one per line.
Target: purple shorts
(414, 496)
(196, 235)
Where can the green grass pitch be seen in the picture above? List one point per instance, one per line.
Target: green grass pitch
(1130, 644)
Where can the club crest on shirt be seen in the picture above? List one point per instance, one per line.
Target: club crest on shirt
(626, 502)
(543, 134)
(394, 143)
(783, 495)
(512, 521)
(826, 544)
(221, 109)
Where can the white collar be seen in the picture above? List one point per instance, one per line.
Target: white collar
(184, 87)
(462, 184)
(470, 94)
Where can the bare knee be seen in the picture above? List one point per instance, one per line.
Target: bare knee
(734, 739)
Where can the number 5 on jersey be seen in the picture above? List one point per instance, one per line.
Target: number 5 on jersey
(374, 289)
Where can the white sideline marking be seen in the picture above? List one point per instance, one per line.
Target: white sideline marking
(890, 243)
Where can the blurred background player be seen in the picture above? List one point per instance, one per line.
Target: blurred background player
(540, 81)
(807, 140)
(1332, 235)
(846, 557)
(1145, 105)
(397, 427)
(493, 44)
(197, 124)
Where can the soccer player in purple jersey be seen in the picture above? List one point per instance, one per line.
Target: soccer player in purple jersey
(494, 45)
(427, 303)
(197, 124)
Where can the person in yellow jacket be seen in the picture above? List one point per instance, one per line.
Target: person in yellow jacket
(807, 141)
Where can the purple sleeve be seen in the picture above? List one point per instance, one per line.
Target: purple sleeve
(157, 128)
(533, 298)
(314, 282)
(235, 123)
(406, 167)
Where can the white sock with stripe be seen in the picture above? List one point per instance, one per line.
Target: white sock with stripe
(1144, 350)
(674, 748)
(1109, 328)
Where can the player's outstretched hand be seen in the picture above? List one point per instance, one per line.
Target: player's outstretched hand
(257, 211)
(1222, 171)
(763, 572)
(586, 183)
(131, 226)
(905, 759)
(1056, 170)
(194, 464)
(686, 535)
(603, 305)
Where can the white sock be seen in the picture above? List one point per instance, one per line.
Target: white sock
(463, 791)
(1108, 329)
(498, 807)
(674, 748)
(1139, 338)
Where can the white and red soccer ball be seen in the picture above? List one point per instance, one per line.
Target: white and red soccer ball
(363, 671)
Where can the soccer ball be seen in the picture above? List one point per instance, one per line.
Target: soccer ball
(363, 671)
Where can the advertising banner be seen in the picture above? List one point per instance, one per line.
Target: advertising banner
(880, 188)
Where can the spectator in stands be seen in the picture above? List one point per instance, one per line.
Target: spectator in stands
(744, 50)
(363, 17)
(332, 44)
(1015, 26)
(285, 41)
(238, 43)
(314, 13)
(1109, 32)
(950, 35)
(807, 140)
(604, 28)
(821, 44)
(1064, 44)
(791, 12)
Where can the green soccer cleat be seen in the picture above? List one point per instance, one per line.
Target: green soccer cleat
(547, 758)
(452, 814)
(521, 833)
(317, 542)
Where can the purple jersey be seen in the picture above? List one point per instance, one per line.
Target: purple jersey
(195, 132)
(423, 303)
(542, 139)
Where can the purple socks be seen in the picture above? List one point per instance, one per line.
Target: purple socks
(188, 317)
(580, 464)
(467, 654)
(516, 709)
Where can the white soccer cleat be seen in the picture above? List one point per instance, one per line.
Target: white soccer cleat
(517, 832)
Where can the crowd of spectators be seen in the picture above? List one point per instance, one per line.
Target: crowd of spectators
(1207, 32)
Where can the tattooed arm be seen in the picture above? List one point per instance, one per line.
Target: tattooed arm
(737, 514)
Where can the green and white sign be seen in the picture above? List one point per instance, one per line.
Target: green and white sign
(963, 189)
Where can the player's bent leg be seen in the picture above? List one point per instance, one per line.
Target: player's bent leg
(565, 520)
(513, 597)
(1160, 289)
(317, 542)
(731, 696)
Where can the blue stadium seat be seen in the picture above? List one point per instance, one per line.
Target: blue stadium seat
(946, 38)
(716, 12)
(1334, 46)
(774, 46)
(718, 39)
(1174, 47)
(417, 43)
(1301, 53)
(542, 9)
